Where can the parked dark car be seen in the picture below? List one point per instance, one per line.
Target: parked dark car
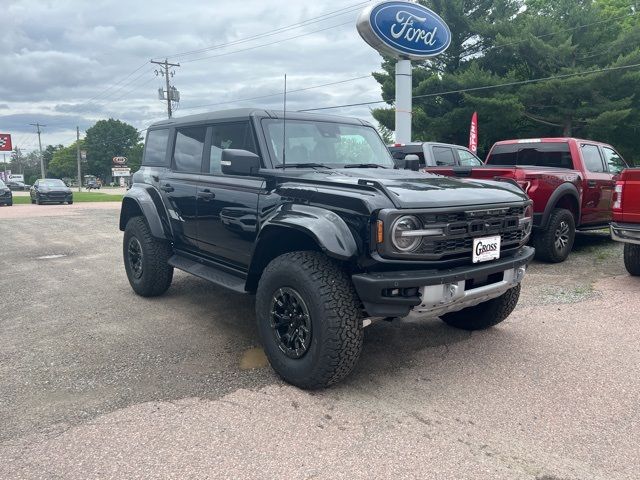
(312, 217)
(6, 197)
(16, 185)
(50, 190)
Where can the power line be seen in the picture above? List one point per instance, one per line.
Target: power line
(309, 21)
(278, 94)
(267, 44)
(117, 83)
(486, 87)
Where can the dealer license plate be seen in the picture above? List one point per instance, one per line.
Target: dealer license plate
(486, 249)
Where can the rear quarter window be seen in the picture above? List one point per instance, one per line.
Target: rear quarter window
(155, 148)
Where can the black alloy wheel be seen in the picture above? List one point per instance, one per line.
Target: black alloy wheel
(290, 322)
(134, 251)
(562, 236)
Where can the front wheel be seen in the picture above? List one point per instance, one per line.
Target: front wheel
(309, 319)
(146, 259)
(632, 258)
(555, 243)
(38, 202)
(484, 315)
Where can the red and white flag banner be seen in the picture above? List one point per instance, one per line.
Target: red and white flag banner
(473, 133)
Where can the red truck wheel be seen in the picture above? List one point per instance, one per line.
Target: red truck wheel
(632, 258)
(555, 243)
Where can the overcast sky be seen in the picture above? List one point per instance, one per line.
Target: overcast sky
(68, 63)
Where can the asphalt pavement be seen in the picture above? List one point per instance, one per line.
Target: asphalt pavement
(96, 382)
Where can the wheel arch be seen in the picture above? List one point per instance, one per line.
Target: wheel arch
(565, 196)
(139, 202)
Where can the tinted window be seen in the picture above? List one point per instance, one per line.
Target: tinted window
(614, 161)
(592, 159)
(187, 154)
(548, 154)
(229, 135)
(443, 156)
(468, 159)
(156, 147)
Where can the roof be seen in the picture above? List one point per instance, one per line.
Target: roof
(420, 144)
(244, 113)
(547, 140)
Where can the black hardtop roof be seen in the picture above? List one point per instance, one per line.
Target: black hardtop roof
(244, 113)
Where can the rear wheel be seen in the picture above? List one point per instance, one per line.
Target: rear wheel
(146, 259)
(485, 315)
(309, 319)
(632, 258)
(555, 243)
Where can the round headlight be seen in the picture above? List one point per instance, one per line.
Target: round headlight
(401, 236)
(526, 222)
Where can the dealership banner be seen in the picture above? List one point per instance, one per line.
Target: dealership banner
(473, 133)
(5, 142)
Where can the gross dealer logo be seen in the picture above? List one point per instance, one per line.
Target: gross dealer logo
(404, 30)
(486, 247)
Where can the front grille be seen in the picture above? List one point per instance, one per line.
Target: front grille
(460, 228)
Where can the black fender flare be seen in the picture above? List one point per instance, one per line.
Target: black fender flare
(564, 189)
(141, 199)
(328, 229)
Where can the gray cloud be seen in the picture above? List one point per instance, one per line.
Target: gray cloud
(67, 63)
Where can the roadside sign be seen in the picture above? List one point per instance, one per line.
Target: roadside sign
(121, 172)
(15, 177)
(83, 154)
(119, 160)
(5, 142)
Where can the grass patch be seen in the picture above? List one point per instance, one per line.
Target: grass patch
(78, 197)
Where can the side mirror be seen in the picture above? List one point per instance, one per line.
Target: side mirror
(412, 162)
(239, 162)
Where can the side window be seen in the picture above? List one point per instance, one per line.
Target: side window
(443, 156)
(229, 135)
(614, 161)
(187, 154)
(468, 159)
(592, 158)
(155, 148)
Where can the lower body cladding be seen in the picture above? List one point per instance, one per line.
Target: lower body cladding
(432, 293)
(626, 232)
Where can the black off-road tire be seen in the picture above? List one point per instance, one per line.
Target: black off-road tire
(335, 317)
(156, 274)
(632, 258)
(546, 241)
(70, 203)
(484, 315)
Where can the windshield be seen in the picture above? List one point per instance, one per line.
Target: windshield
(52, 183)
(333, 144)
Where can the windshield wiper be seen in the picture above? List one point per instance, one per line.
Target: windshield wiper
(364, 165)
(302, 165)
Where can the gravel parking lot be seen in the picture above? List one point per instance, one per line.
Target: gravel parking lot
(96, 382)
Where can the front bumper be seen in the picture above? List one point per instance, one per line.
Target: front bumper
(435, 292)
(625, 232)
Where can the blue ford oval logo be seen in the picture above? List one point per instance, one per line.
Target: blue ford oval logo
(404, 30)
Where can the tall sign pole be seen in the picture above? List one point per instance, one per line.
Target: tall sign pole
(406, 31)
(37, 125)
(78, 158)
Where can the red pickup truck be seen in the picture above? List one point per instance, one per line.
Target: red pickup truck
(570, 181)
(626, 218)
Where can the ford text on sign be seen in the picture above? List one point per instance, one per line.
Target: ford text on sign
(404, 30)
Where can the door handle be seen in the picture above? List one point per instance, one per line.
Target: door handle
(167, 188)
(207, 194)
(592, 184)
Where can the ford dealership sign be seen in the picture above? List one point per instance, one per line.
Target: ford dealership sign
(404, 30)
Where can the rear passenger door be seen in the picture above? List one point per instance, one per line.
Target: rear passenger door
(179, 184)
(228, 204)
(467, 158)
(443, 156)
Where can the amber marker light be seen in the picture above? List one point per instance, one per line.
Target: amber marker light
(380, 232)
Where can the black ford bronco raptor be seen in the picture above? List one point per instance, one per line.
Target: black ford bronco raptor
(311, 214)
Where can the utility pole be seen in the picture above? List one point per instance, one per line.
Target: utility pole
(37, 125)
(78, 158)
(164, 70)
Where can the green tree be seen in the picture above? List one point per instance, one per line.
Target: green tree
(47, 154)
(107, 139)
(64, 163)
(531, 39)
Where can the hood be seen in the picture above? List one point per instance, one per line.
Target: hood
(419, 190)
